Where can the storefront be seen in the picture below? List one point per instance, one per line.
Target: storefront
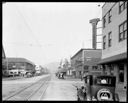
(116, 65)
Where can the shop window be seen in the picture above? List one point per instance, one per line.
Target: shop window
(80, 72)
(86, 67)
(111, 68)
(94, 67)
(121, 72)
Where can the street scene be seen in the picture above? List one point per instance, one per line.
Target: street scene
(58, 51)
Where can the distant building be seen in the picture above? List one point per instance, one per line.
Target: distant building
(3, 53)
(3, 59)
(17, 65)
(114, 43)
(84, 61)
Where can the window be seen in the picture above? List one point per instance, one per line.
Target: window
(122, 6)
(105, 81)
(111, 68)
(109, 16)
(109, 39)
(104, 42)
(123, 31)
(86, 67)
(94, 67)
(104, 21)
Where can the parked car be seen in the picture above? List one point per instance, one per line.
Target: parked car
(61, 75)
(29, 74)
(98, 88)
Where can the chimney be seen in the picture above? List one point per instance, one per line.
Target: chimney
(94, 31)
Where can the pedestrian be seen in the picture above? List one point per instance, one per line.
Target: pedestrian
(63, 75)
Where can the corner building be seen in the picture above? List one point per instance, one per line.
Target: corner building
(114, 41)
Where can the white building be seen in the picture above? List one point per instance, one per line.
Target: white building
(114, 51)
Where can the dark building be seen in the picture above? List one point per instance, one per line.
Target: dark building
(84, 61)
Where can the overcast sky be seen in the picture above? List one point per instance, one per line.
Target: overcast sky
(48, 32)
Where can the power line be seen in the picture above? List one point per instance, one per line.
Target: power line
(27, 25)
(22, 44)
(23, 18)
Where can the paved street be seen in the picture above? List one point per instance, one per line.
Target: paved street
(62, 89)
(11, 86)
(58, 89)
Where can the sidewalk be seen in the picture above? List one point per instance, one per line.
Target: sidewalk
(122, 93)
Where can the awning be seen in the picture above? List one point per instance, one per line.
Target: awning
(115, 58)
(63, 70)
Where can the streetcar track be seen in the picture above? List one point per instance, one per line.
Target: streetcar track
(42, 85)
(43, 92)
(27, 87)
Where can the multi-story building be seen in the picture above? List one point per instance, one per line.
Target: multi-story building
(14, 66)
(84, 61)
(114, 41)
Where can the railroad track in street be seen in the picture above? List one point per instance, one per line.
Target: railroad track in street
(32, 92)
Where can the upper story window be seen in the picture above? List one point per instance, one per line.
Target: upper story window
(122, 6)
(123, 31)
(104, 21)
(109, 16)
(109, 39)
(86, 67)
(104, 42)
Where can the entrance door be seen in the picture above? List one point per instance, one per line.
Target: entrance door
(121, 72)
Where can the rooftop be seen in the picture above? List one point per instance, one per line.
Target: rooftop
(82, 50)
(19, 60)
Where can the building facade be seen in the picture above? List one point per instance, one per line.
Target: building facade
(3, 53)
(3, 59)
(14, 66)
(114, 41)
(84, 61)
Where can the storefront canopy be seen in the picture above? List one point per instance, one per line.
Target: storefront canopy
(115, 58)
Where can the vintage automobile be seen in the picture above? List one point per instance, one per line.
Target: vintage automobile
(98, 88)
(61, 76)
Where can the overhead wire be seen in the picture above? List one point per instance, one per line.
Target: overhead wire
(27, 25)
(32, 34)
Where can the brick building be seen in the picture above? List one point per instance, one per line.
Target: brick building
(84, 61)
